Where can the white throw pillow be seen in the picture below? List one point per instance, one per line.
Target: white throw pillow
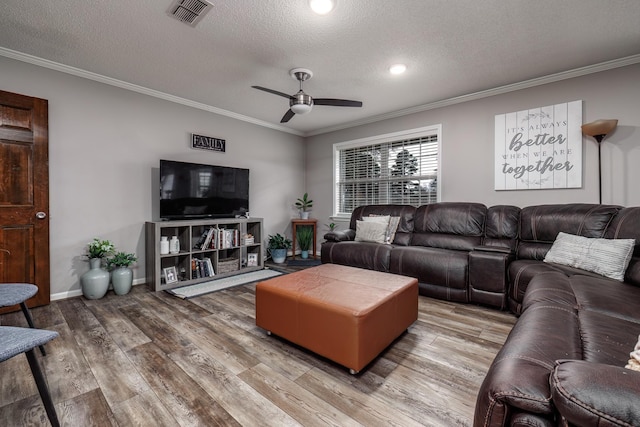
(392, 224)
(608, 257)
(382, 219)
(369, 231)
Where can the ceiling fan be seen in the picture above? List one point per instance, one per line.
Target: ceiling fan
(301, 103)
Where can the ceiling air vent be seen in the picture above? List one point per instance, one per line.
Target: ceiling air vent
(189, 11)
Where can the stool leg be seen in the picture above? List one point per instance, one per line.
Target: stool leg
(42, 388)
(27, 314)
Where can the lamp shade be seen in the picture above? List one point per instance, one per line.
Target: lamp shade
(600, 128)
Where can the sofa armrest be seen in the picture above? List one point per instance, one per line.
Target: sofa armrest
(586, 393)
(493, 249)
(488, 275)
(340, 235)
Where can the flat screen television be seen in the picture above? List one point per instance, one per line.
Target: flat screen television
(191, 190)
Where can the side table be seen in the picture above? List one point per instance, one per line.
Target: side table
(294, 225)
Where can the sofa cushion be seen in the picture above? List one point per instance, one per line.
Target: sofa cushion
(448, 269)
(608, 297)
(458, 226)
(501, 227)
(521, 273)
(626, 225)
(607, 339)
(371, 256)
(608, 257)
(519, 375)
(539, 225)
(592, 394)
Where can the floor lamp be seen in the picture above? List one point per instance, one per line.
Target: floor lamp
(598, 130)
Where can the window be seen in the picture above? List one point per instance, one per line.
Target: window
(398, 168)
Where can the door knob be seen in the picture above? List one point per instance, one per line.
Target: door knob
(41, 215)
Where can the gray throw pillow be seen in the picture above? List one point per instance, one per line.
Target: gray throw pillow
(608, 257)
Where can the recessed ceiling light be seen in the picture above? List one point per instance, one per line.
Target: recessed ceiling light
(397, 69)
(322, 7)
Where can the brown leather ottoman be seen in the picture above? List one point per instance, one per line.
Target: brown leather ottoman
(346, 314)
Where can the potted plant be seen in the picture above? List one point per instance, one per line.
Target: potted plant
(121, 274)
(303, 204)
(95, 282)
(331, 226)
(277, 246)
(304, 235)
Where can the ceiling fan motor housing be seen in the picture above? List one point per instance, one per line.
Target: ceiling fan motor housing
(301, 103)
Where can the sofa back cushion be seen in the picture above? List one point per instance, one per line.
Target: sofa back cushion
(405, 212)
(539, 225)
(449, 225)
(626, 225)
(502, 226)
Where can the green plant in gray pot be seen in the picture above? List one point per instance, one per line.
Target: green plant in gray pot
(277, 245)
(121, 274)
(304, 236)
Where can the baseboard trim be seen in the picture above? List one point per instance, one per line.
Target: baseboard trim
(78, 292)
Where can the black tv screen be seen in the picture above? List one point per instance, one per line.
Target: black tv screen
(190, 190)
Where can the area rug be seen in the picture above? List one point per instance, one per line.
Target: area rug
(303, 262)
(224, 283)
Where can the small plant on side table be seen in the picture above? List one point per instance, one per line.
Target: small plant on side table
(304, 204)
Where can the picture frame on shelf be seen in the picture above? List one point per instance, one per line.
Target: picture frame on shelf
(170, 275)
(252, 260)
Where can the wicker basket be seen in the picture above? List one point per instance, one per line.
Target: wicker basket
(227, 265)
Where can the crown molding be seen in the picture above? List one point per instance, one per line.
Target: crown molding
(19, 56)
(552, 78)
(590, 69)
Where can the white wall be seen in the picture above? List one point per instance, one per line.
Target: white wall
(468, 144)
(104, 144)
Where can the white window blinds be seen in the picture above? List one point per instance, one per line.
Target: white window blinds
(398, 171)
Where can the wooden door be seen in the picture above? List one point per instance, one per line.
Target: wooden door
(24, 193)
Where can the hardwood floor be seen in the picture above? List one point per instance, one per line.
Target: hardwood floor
(150, 359)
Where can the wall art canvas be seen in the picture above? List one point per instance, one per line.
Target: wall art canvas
(540, 148)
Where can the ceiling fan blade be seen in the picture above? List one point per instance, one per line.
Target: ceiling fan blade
(337, 102)
(275, 92)
(287, 116)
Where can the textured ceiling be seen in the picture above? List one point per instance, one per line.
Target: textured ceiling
(451, 48)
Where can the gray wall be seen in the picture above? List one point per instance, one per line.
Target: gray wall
(468, 144)
(104, 149)
(105, 144)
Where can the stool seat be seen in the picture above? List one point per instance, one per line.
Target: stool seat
(14, 341)
(15, 293)
(19, 293)
(17, 340)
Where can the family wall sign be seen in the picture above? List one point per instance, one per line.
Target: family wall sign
(540, 148)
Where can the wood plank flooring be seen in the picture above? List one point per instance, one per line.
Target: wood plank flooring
(150, 359)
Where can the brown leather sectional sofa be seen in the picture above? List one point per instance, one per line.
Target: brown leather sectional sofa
(563, 363)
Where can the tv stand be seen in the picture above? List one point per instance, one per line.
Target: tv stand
(230, 254)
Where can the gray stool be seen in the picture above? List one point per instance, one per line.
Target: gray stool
(14, 341)
(18, 293)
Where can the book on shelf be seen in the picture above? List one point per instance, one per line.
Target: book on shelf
(202, 268)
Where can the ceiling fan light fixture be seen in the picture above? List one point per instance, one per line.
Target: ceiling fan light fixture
(322, 7)
(301, 108)
(397, 69)
(301, 103)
